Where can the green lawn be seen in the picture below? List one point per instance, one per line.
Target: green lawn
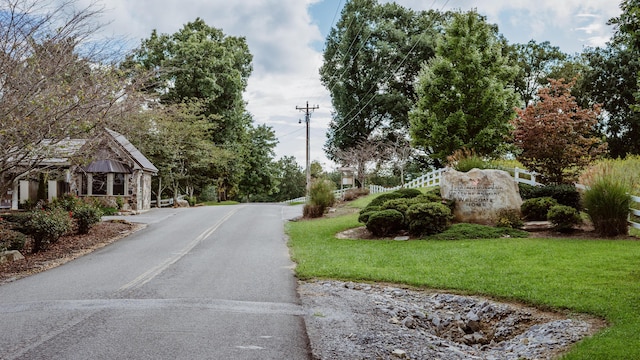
(599, 277)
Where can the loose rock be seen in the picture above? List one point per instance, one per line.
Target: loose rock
(364, 321)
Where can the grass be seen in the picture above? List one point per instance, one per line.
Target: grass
(598, 277)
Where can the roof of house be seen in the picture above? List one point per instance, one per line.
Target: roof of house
(60, 152)
(137, 156)
(107, 166)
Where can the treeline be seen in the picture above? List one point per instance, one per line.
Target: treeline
(177, 97)
(431, 85)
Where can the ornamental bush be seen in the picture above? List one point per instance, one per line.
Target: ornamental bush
(384, 198)
(67, 202)
(385, 222)
(47, 227)
(607, 202)
(365, 212)
(401, 205)
(527, 191)
(408, 193)
(509, 218)
(11, 240)
(563, 217)
(536, 209)
(428, 218)
(564, 194)
(86, 216)
(428, 197)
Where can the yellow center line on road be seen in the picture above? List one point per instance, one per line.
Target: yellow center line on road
(157, 270)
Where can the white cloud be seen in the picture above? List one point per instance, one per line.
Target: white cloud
(561, 22)
(280, 34)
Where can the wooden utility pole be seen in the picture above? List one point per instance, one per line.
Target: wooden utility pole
(307, 112)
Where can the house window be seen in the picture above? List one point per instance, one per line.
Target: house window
(118, 184)
(99, 184)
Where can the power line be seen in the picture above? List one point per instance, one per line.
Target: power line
(389, 77)
(308, 110)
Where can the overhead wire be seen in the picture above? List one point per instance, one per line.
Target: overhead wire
(389, 77)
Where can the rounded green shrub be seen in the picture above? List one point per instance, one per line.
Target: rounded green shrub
(428, 218)
(607, 203)
(526, 191)
(383, 198)
(365, 212)
(564, 194)
(401, 205)
(408, 193)
(67, 202)
(563, 217)
(47, 227)
(509, 218)
(86, 216)
(536, 209)
(385, 222)
(11, 240)
(426, 198)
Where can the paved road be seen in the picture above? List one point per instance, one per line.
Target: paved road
(200, 283)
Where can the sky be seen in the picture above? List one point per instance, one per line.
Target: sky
(286, 39)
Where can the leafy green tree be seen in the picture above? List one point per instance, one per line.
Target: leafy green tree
(464, 99)
(176, 139)
(627, 33)
(201, 63)
(260, 176)
(535, 61)
(371, 60)
(557, 137)
(317, 172)
(610, 80)
(291, 179)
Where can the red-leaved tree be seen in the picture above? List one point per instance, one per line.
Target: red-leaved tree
(556, 136)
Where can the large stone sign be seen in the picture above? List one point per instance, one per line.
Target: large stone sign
(480, 195)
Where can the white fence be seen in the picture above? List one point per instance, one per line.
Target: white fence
(634, 212)
(428, 180)
(433, 179)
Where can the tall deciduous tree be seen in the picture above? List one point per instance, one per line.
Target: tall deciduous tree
(54, 85)
(201, 62)
(611, 77)
(557, 137)
(291, 179)
(535, 61)
(176, 139)
(371, 60)
(464, 98)
(260, 177)
(628, 33)
(611, 80)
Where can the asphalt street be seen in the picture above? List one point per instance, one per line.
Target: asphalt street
(197, 283)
